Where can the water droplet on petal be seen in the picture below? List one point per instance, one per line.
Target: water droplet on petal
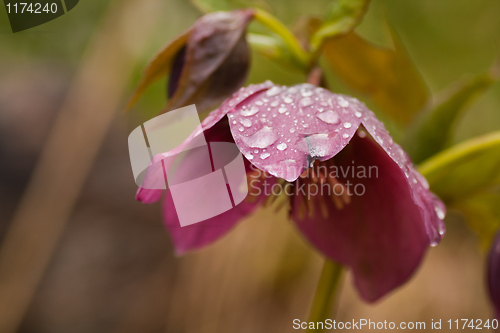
(306, 93)
(440, 212)
(263, 156)
(234, 122)
(250, 112)
(358, 114)
(281, 146)
(273, 91)
(246, 122)
(342, 102)
(329, 117)
(292, 130)
(288, 100)
(249, 156)
(261, 139)
(345, 135)
(241, 129)
(305, 102)
(347, 125)
(275, 103)
(282, 110)
(259, 103)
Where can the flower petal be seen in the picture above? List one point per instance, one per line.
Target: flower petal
(431, 207)
(286, 128)
(198, 235)
(380, 234)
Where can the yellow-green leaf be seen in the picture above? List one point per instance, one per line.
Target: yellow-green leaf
(433, 131)
(387, 76)
(343, 17)
(207, 6)
(482, 212)
(464, 170)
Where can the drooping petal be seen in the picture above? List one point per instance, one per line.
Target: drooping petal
(380, 234)
(198, 235)
(431, 207)
(493, 273)
(281, 130)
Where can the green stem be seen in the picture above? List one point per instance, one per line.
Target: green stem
(326, 292)
(273, 24)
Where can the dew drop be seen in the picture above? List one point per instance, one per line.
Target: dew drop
(329, 117)
(234, 121)
(358, 114)
(342, 102)
(281, 146)
(273, 91)
(282, 110)
(440, 212)
(306, 93)
(347, 125)
(263, 156)
(292, 130)
(246, 122)
(259, 103)
(306, 101)
(241, 129)
(275, 103)
(250, 112)
(288, 100)
(249, 156)
(261, 139)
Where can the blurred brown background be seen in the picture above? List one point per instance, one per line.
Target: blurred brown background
(113, 268)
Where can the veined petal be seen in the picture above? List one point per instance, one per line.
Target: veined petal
(380, 234)
(286, 128)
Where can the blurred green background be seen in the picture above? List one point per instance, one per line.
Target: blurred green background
(114, 269)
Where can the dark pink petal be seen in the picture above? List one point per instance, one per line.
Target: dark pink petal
(380, 234)
(281, 130)
(494, 274)
(201, 234)
(431, 207)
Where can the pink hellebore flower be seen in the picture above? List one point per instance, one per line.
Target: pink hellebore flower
(307, 135)
(494, 274)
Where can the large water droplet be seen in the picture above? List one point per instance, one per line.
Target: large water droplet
(273, 91)
(259, 103)
(281, 146)
(329, 117)
(261, 139)
(306, 93)
(358, 114)
(246, 122)
(263, 156)
(440, 212)
(282, 110)
(249, 156)
(288, 100)
(306, 101)
(342, 102)
(347, 125)
(250, 112)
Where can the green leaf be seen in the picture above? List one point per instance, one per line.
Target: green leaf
(343, 17)
(464, 170)
(482, 213)
(272, 48)
(300, 57)
(207, 6)
(433, 131)
(387, 76)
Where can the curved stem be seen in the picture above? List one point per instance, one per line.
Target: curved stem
(326, 292)
(273, 24)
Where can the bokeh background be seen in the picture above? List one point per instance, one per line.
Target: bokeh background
(111, 267)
